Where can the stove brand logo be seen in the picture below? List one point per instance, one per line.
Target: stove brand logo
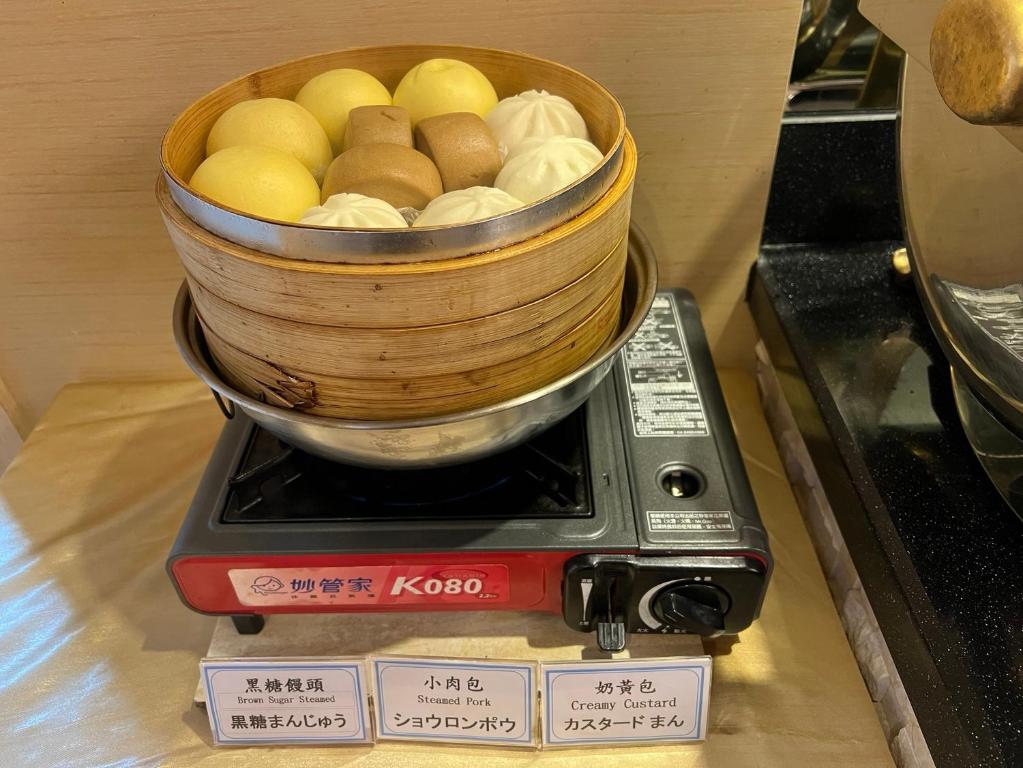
(419, 585)
(267, 585)
(449, 583)
(335, 588)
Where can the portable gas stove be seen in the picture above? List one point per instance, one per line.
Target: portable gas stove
(634, 514)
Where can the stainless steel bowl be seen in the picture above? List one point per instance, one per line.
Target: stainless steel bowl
(442, 440)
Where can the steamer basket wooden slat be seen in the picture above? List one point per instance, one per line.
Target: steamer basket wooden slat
(375, 341)
(406, 398)
(378, 353)
(402, 295)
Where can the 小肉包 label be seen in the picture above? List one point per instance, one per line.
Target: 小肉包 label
(480, 702)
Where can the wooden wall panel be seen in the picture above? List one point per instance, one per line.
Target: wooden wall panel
(87, 275)
(907, 22)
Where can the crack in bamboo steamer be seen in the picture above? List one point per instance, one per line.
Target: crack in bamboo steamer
(433, 335)
(409, 398)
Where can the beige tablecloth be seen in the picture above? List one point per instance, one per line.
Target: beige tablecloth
(99, 658)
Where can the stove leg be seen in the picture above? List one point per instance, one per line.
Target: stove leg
(249, 624)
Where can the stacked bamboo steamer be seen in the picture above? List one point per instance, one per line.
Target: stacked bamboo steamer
(356, 338)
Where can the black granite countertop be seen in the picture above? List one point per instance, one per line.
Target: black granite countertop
(936, 548)
(934, 544)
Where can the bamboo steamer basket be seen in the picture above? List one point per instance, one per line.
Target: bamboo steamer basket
(411, 397)
(379, 353)
(184, 148)
(433, 441)
(392, 340)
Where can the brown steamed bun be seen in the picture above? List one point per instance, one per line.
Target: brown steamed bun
(462, 147)
(378, 125)
(398, 175)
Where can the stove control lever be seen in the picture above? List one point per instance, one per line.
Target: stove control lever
(611, 630)
(611, 636)
(605, 588)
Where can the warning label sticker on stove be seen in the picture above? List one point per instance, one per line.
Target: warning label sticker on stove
(663, 396)
(334, 588)
(690, 521)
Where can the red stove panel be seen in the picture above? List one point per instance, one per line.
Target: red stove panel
(352, 583)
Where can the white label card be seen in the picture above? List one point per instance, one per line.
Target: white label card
(252, 701)
(615, 702)
(478, 702)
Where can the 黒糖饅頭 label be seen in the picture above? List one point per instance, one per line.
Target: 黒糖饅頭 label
(270, 701)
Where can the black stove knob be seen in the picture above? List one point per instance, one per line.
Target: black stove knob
(696, 608)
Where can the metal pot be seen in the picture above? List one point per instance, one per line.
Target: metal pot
(961, 169)
(962, 187)
(442, 440)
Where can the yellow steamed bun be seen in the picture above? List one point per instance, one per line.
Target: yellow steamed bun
(332, 95)
(439, 86)
(276, 123)
(258, 180)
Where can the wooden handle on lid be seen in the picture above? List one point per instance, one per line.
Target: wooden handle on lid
(977, 60)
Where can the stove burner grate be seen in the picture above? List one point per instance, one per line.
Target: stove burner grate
(547, 477)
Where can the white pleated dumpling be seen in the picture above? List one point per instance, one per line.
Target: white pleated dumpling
(348, 209)
(466, 205)
(540, 167)
(533, 114)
